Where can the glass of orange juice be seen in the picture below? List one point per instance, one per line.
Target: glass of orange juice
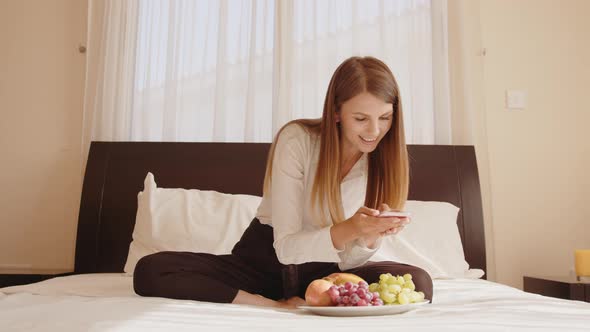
(582, 262)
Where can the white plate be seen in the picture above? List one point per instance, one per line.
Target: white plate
(363, 311)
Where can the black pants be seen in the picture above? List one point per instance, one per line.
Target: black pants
(252, 267)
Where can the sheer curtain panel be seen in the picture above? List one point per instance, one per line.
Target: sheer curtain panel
(237, 70)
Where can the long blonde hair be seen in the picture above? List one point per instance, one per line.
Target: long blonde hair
(388, 176)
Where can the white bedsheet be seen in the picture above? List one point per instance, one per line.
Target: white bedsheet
(106, 302)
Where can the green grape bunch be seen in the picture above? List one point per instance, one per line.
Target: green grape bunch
(396, 289)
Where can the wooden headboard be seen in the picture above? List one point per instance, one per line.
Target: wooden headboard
(115, 172)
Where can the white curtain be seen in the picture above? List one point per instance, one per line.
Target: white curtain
(236, 70)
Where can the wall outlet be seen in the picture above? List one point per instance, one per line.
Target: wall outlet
(515, 99)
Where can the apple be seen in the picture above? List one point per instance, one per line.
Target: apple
(316, 293)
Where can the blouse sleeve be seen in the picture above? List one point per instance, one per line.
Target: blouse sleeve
(357, 254)
(294, 244)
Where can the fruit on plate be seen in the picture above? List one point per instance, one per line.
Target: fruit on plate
(396, 289)
(317, 291)
(346, 289)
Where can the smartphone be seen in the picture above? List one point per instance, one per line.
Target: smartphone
(400, 214)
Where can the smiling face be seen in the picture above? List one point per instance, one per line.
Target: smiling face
(364, 121)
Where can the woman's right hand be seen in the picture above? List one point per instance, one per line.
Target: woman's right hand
(363, 224)
(372, 227)
(368, 225)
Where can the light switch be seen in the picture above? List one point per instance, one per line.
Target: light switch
(515, 99)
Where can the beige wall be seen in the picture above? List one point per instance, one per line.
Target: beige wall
(41, 98)
(537, 159)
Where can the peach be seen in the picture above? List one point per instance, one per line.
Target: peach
(340, 278)
(317, 293)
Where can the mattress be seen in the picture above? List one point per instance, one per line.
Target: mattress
(106, 302)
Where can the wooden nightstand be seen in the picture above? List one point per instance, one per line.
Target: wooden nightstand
(18, 277)
(561, 287)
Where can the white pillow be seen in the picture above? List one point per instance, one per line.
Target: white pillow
(188, 220)
(431, 241)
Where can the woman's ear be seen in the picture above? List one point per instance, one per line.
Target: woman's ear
(337, 117)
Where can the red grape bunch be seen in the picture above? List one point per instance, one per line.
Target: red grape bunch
(351, 295)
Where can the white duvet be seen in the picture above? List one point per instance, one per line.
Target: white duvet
(106, 302)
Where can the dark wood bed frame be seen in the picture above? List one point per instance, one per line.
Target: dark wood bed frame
(115, 172)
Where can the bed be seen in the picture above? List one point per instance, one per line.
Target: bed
(98, 295)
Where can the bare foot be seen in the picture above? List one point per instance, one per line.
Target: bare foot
(291, 303)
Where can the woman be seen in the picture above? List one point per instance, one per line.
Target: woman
(326, 182)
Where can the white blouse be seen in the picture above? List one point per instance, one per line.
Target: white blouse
(297, 237)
